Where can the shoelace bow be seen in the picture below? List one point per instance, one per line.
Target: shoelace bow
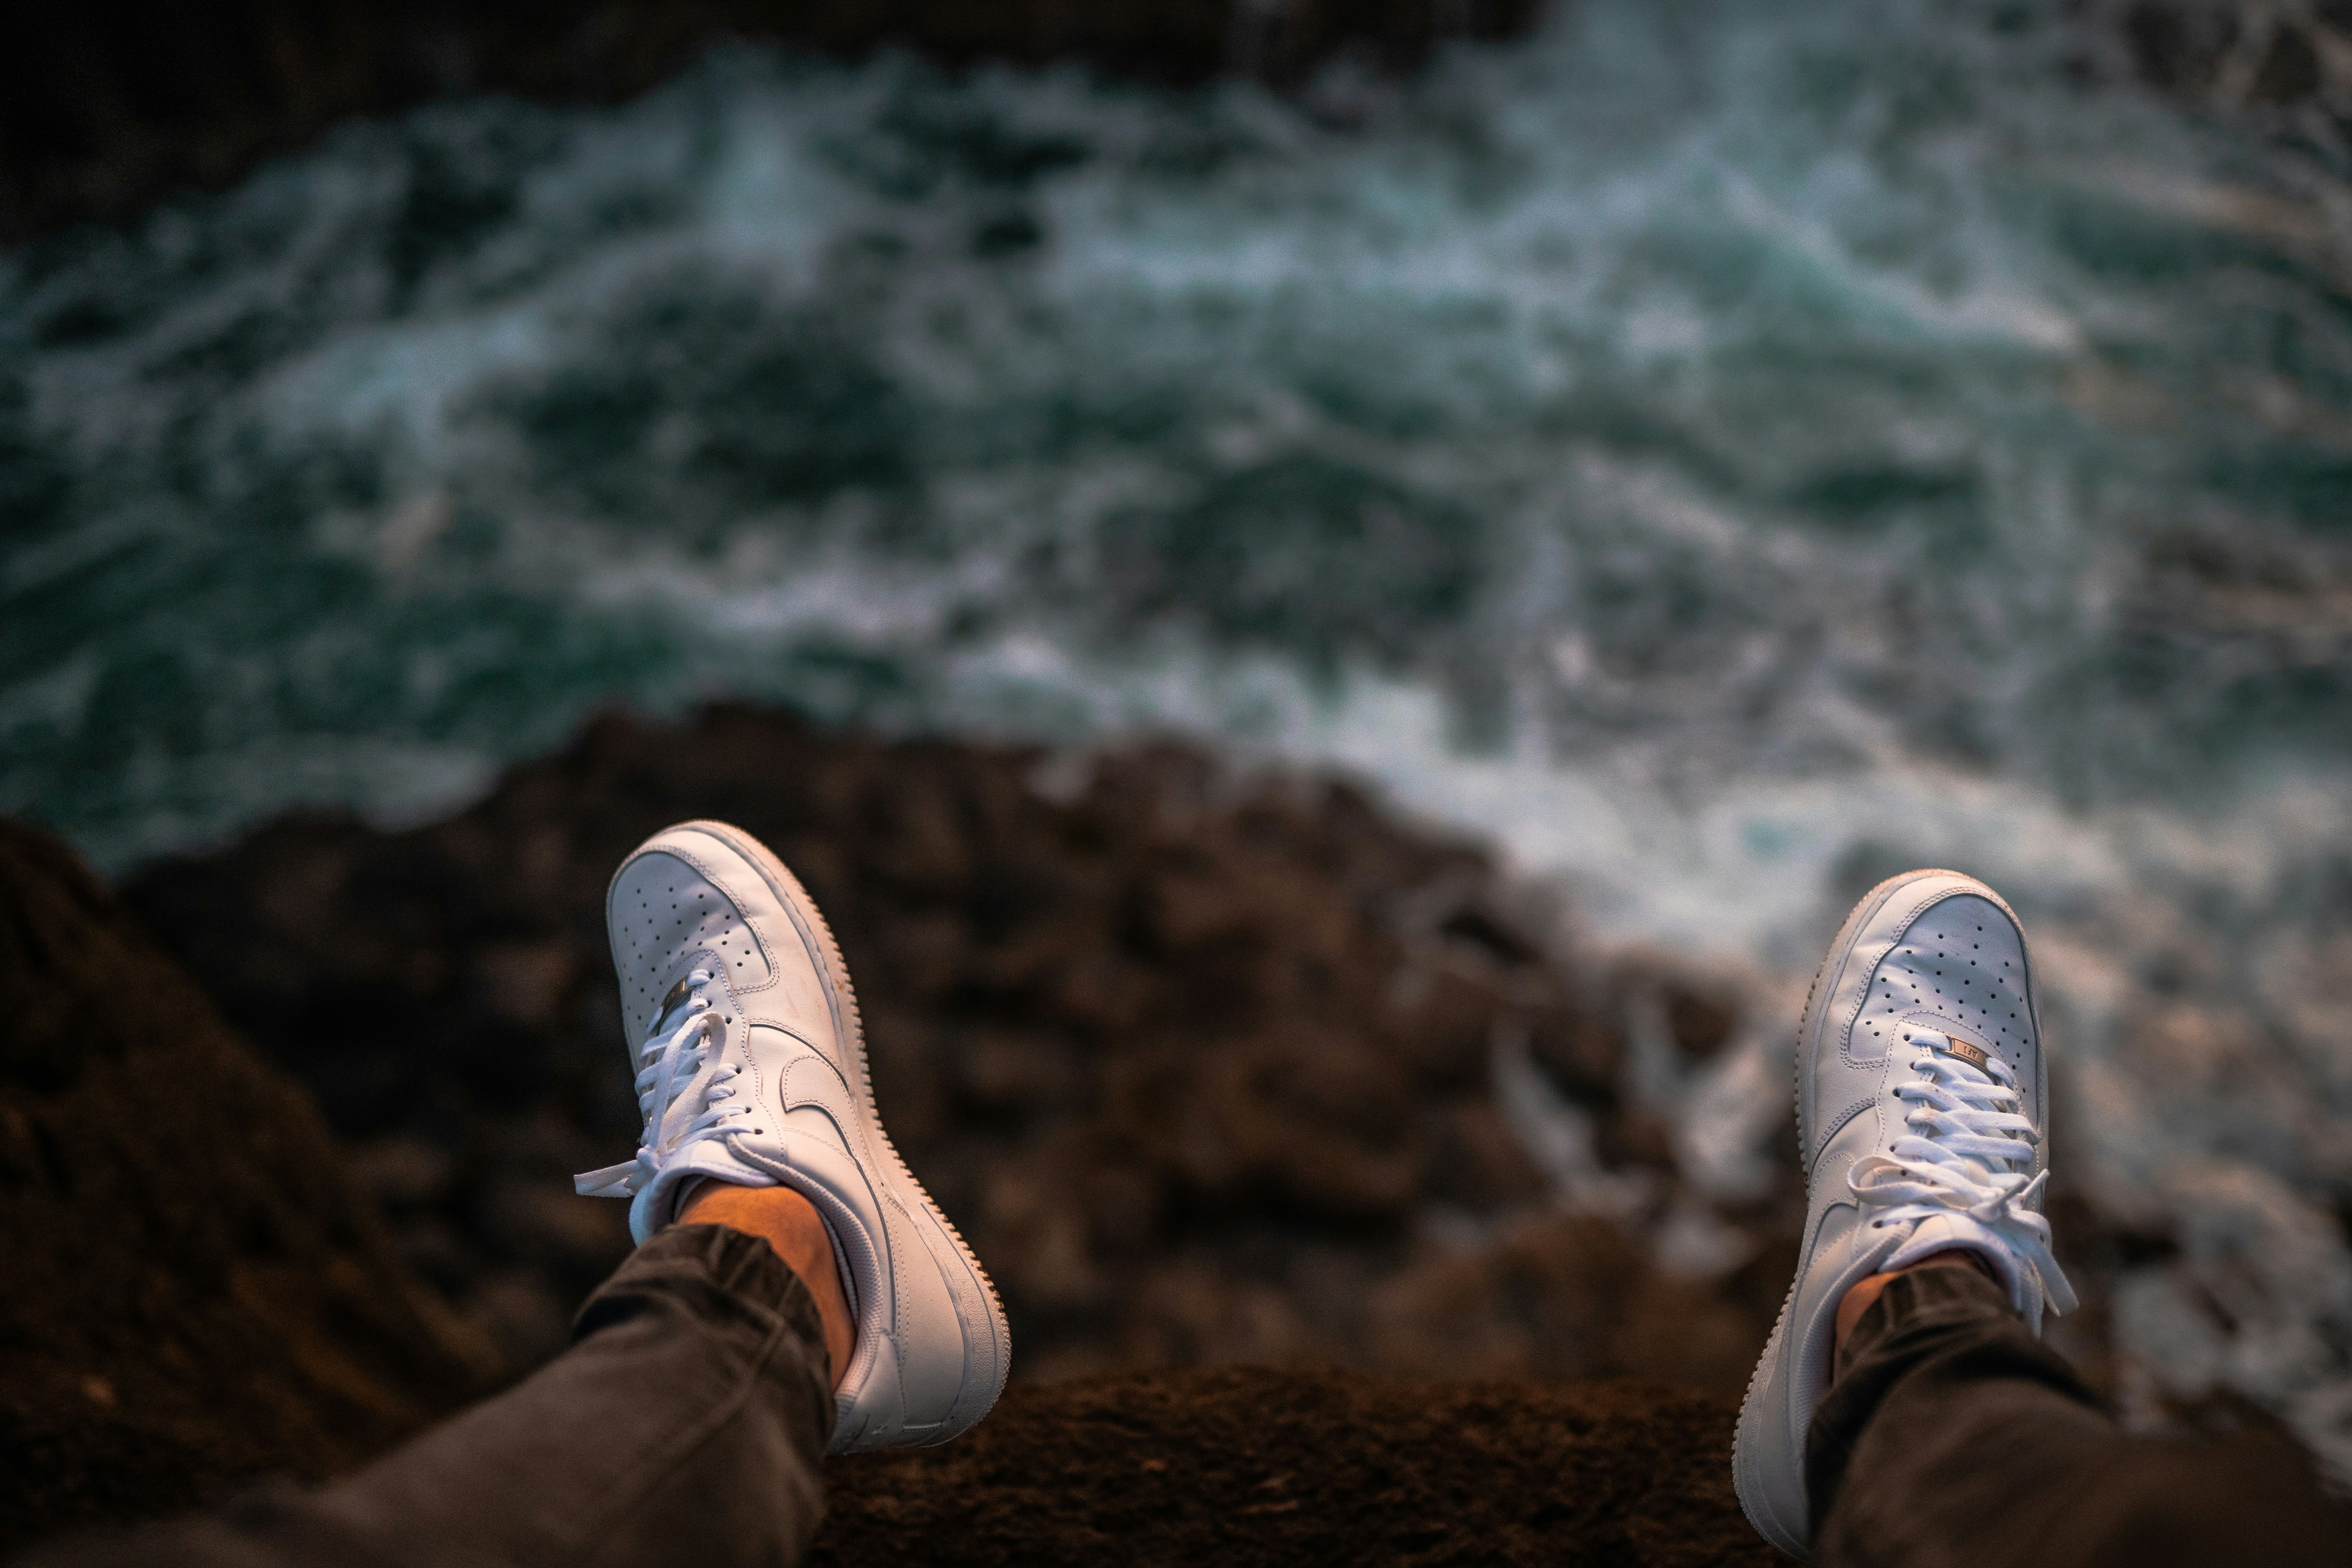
(669, 1067)
(1963, 1114)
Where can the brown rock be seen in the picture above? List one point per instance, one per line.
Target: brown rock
(197, 1290)
(1245, 1466)
(1194, 1060)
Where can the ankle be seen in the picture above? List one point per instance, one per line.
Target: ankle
(790, 1223)
(1859, 1297)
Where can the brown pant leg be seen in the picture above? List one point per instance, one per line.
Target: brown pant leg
(685, 1425)
(1953, 1436)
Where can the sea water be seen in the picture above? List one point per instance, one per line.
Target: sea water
(1721, 454)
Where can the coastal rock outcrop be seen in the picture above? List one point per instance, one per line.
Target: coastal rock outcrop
(1288, 1127)
(197, 1290)
(1205, 1067)
(1204, 1064)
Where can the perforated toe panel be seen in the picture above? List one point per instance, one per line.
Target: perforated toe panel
(1961, 960)
(661, 909)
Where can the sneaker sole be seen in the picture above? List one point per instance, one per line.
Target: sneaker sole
(850, 1032)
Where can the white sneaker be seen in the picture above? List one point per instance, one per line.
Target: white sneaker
(1922, 1106)
(751, 1069)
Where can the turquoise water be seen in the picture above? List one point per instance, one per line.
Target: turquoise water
(1718, 452)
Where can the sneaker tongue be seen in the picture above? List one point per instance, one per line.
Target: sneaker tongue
(1951, 1043)
(1981, 1170)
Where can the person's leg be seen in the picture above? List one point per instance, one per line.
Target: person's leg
(1918, 1419)
(686, 1424)
(1953, 1435)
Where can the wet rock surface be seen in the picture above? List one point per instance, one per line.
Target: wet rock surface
(196, 1289)
(1208, 1070)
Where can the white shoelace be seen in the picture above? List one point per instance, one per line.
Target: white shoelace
(669, 1065)
(1967, 1120)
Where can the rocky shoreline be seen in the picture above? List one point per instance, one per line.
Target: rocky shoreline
(1216, 1070)
(1205, 1067)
